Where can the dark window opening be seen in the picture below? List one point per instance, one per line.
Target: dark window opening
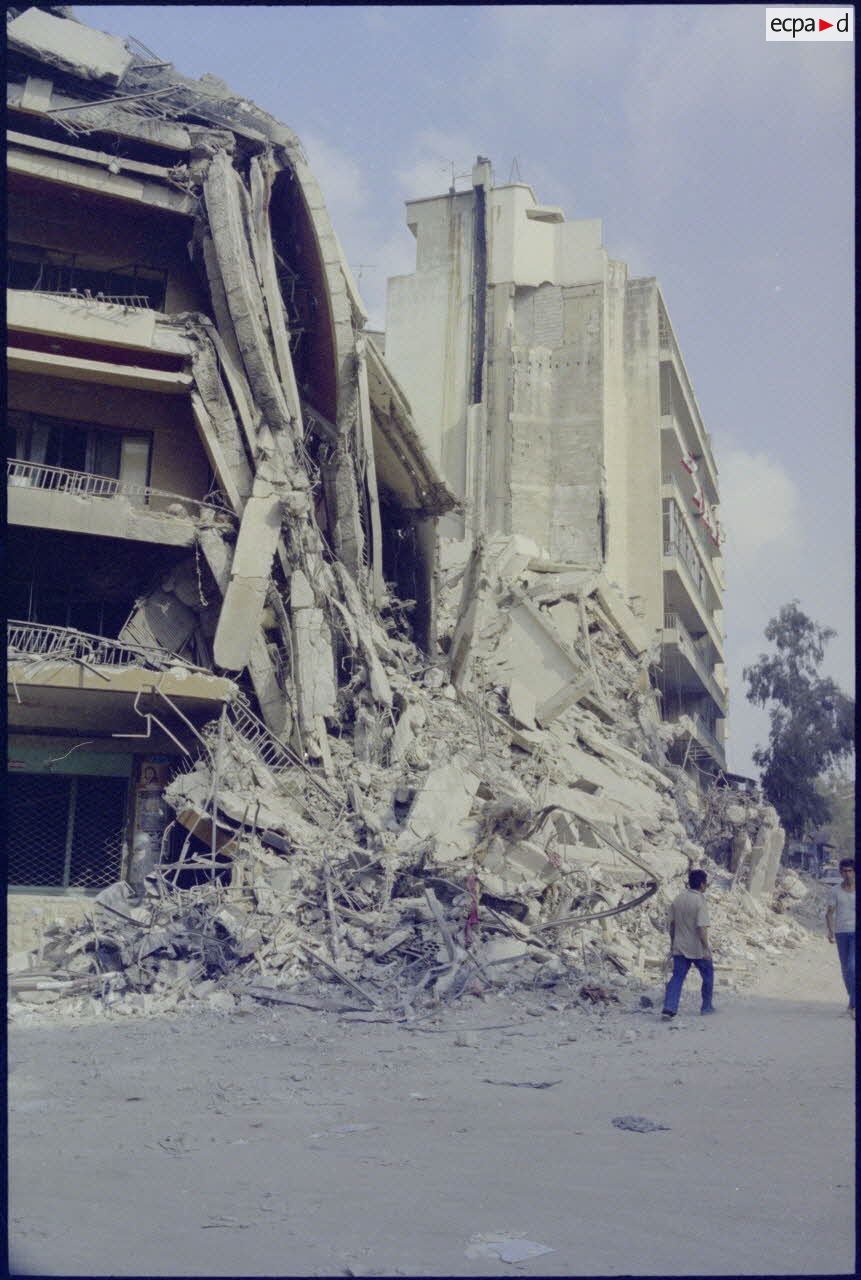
(406, 571)
(51, 271)
(77, 446)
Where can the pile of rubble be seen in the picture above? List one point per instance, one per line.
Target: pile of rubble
(510, 820)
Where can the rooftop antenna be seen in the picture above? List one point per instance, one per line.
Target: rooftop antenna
(449, 169)
(514, 175)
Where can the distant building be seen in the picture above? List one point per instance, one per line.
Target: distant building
(549, 388)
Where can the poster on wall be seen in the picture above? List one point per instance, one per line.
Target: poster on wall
(150, 806)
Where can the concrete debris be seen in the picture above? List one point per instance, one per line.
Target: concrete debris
(461, 778)
(454, 860)
(69, 46)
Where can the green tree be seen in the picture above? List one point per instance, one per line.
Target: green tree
(812, 720)
(838, 788)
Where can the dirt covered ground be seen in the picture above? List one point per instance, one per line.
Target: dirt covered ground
(290, 1142)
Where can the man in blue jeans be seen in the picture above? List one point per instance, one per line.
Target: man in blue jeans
(689, 943)
(840, 922)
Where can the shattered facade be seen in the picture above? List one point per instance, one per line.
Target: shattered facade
(269, 729)
(549, 388)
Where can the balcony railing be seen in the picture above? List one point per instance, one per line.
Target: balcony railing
(83, 484)
(128, 301)
(710, 548)
(65, 644)
(667, 340)
(672, 622)
(704, 730)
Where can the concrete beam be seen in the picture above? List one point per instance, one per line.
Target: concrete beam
(48, 365)
(112, 186)
(249, 577)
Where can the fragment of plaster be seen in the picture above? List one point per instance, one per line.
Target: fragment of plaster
(378, 681)
(69, 46)
(440, 811)
(412, 718)
(313, 655)
(521, 704)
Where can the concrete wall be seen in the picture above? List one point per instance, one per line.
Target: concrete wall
(643, 574)
(178, 463)
(428, 335)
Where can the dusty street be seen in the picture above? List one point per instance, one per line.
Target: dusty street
(291, 1142)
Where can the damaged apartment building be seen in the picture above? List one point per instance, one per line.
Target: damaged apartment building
(202, 448)
(549, 388)
(391, 660)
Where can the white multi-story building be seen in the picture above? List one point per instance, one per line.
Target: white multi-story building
(549, 388)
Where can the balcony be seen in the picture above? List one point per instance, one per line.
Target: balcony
(698, 742)
(669, 349)
(46, 497)
(61, 679)
(684, 596)
(709, 553)
(695, 670)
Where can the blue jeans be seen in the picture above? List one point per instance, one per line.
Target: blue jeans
(681, 965)
(846, 951)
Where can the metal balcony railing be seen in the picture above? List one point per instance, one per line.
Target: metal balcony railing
(710, 549)
(39, 640)
(128, 301)
(672, 622)
(84, 484)
(667, 340)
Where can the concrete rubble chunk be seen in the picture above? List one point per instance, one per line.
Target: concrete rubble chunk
(69, 46)
(440, 812)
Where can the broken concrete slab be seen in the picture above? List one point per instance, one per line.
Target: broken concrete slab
(440, 812)
(239, 619)
(314, 672)
(69, 46)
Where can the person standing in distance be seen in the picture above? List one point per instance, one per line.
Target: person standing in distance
(840, 922)
(688, 923)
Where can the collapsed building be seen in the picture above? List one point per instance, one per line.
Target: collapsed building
(287, 700)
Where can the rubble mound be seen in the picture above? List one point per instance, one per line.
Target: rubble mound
(510, 820)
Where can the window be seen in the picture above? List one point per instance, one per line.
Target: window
(79, 446)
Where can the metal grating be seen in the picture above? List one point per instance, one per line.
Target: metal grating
(65, 832)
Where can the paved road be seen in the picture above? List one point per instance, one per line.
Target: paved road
(288, 1143)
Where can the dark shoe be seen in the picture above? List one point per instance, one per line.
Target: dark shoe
(666, 1014)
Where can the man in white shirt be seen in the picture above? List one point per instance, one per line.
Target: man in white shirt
(688, 923)
(840, 922)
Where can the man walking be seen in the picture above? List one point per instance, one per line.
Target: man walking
(840, 922)
(689, 943)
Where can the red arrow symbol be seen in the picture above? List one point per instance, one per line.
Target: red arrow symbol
(823, 24)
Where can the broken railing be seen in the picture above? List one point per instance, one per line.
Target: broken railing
(85, 484)
(128, 301)
(39, 640)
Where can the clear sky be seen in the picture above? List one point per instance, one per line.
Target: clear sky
(719, 162)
